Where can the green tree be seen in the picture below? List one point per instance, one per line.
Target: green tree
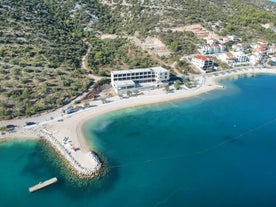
(100, 58)
(167, 88)
(175, 46)
(177, 85)
(129, 93)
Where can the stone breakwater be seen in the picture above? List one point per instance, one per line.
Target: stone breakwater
(90, 158)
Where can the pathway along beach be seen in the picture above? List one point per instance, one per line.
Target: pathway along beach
(64, 132)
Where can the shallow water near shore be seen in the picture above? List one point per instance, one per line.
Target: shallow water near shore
(216, 149)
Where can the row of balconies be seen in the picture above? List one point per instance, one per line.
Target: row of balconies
(133, 74)
(135, 78)
(212, 51)
(150, 74)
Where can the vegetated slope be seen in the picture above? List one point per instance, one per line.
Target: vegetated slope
(42, 42)
(144, 18)
(41, 46)
(264, 4)
(150, 17)
(116, 53)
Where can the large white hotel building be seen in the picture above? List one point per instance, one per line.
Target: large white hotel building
(124, 80)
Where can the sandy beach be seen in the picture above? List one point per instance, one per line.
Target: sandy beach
(209, 83)
(69, 126)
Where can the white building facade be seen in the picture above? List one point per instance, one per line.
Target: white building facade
(213, 48)
(241, 57)
(234, 58)
(124, 80)
(203, 62)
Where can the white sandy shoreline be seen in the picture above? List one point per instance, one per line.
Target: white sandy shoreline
(72, 124)
(210, 84)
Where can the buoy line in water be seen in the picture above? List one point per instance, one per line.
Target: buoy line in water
(203, 151)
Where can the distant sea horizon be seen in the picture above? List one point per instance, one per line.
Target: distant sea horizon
(272, 0)
(212, 150)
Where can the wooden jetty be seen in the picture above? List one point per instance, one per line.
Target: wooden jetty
(42, 185)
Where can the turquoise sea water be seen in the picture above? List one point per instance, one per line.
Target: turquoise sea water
(216, 149)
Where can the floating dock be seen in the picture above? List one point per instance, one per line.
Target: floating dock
(42, 184)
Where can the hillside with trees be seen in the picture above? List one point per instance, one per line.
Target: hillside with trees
(41, 48)
(42, 42)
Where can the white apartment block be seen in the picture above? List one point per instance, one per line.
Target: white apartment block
(124, 80)
(202, 62)
(241, 57)
(213, 48)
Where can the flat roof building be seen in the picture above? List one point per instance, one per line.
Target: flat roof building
(122, 80)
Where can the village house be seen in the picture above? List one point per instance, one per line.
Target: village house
(260, 49)
(241, 57)
(212, 41)
(234, 38)
(228, 58)
(240, 47)
(257, 55)
(262, 43)
(202, 62)
(234, 58)
(213, 48)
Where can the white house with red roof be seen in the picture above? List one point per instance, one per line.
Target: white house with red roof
(262, 43)
(259, 51)
(212, 41)
(257, 55)
(227, 57)
(203, 62)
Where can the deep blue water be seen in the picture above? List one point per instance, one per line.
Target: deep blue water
(217, 149)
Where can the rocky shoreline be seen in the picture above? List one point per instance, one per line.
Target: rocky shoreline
(73, 164)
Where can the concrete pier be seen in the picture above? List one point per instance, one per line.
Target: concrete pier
(42, 185)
